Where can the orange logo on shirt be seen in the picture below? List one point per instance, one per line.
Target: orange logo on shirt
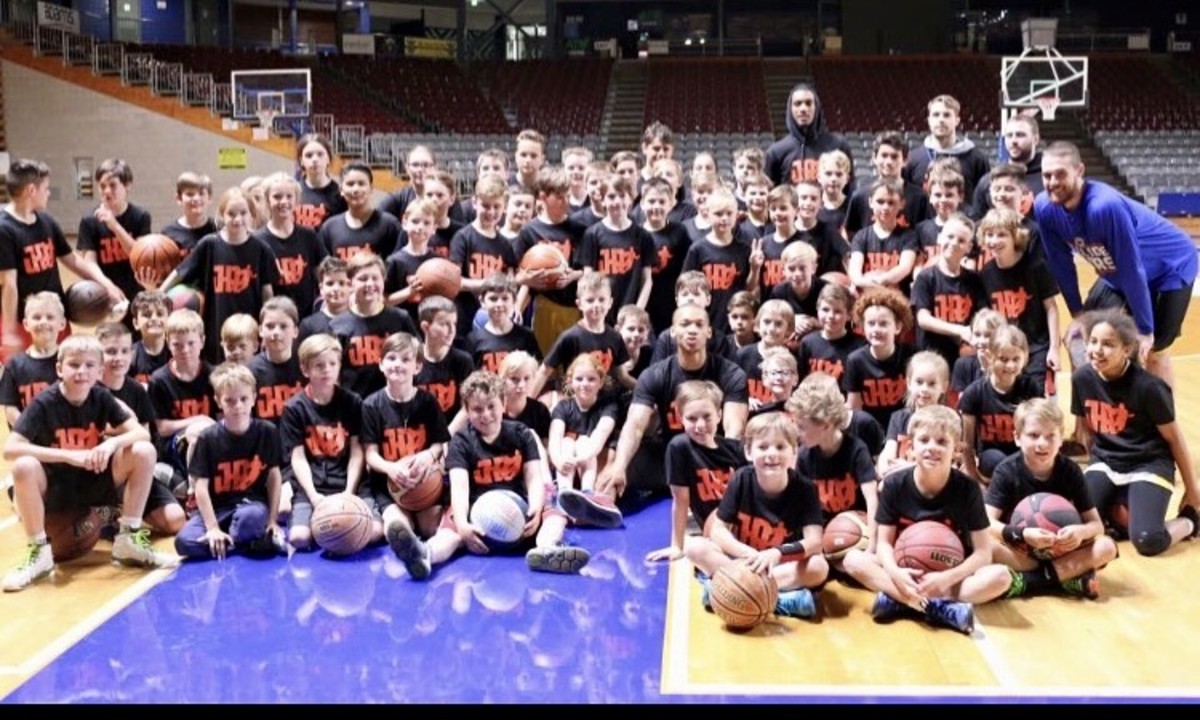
(837, 494)
(271, 399)
(759, 533)
(311, 216)
(952, 308)
(1011, 303)
(721, 276)
(238, 475)
(325, 440)
(291, 269)
(77, 438)
(482, 265)
(617, 261)
(996, 428)
(883, 392)
(231, 279)
(39, 257)
(804, 169)
(191, 407)
(400, 442)
(711, 483)
(499, 469)
(885, 260)
(30, 391)
(1105, 418)
(111, 251)
(823, 365)
(444, 393)
(364, 350)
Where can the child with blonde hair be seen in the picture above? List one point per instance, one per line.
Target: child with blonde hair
(927, 379)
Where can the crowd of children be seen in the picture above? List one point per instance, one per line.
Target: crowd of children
(771, 353)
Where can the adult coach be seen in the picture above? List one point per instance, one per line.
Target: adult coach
(1145, 263)
(794, 157)
(1021, 137)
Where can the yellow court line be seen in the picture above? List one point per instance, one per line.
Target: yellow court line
(84, 627)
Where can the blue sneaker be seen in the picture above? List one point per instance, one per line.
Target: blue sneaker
(886, 609)
(706, 594)
(796, 603)
(590, 510)
(958, 616)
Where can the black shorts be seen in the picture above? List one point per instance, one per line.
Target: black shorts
(70, 488)
(1170, 308)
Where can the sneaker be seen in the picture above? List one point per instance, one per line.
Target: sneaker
(958, 616)
(410, 550)
(110, 521)
(38, 562)
(267, 546)
(1086, 585)
(1191, 513)
(796, 603)
(557, 559)
(706, 594)
(132, 547)
(886, 609)
(587, 509)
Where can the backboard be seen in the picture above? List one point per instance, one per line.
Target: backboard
(1042, 71)
(286, 92)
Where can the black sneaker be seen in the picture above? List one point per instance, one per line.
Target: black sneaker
(1086, 585)
(558, 559)
(409, 548)
(585, 509)
(1191, 513)
(958, 616)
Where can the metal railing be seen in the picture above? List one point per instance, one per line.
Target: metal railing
(78, 49)
(197, 90)
(107, 58)
(323, 124)
(48, 41)
(349, 140)
(22, 30)
(135, 68)
(380, 149)
(222, 100)
(166, 78)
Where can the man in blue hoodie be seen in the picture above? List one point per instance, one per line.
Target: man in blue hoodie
(1145, 263)
(943, 141)
(793, 158)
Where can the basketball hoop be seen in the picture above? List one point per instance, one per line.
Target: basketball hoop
(266, 123)
(1048, 104)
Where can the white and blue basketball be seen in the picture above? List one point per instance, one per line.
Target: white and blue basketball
(500, 514)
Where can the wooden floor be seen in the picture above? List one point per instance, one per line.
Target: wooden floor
(1136, 641)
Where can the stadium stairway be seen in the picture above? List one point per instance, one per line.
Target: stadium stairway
(780, 75)
(624, 120)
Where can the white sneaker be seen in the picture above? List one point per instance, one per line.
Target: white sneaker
(38, 562)
(132, 547)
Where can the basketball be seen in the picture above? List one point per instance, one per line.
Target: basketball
(838, 278)
(929, 546)
(186, 297)
(88, 303)
(742, 597)
(155, 253)
(439, 276)
(73, 533)
(1046, 511)
(341, 524)
(845, 532)
(543, 256)
(424, 495)
(500, 514)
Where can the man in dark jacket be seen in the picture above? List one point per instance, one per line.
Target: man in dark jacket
(793, 158)
(943, 141)
(1021, 136)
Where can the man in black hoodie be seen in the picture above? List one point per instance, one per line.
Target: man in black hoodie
(793, 158)
(1021, 137)
(943, 141)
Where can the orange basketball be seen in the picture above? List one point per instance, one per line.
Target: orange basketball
(839, 278)
(157, 253)
(439, 276)
(742, 597)
(424, 494)
(341, 524)
(186, 297)
(544, 256)
(929, 546)
(88, 303)
(845, 532)
(73, 533)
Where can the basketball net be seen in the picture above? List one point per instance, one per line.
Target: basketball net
(266, 122)
(1048, 104)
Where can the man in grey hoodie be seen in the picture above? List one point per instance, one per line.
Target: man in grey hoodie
(943, 141)
(793, 158)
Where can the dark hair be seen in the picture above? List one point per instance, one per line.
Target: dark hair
(23, 173)
(116, 167)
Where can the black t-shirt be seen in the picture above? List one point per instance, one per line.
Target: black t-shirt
(671, 244)
(236, 466)
(477, 256)
(489, 350)
(772, 269)
(144, 364)
(32, 250)
(380, 234)
(927, 235)
(897, 430)
(959, 505)
(1124, 415)
(187, 238)
(881, 384)
(883, 253)
(966, 371)
(439, 244)
(1012, 482)
(535, 416)
(297, 257)
(865, 428)
(1018, 294)
(622, 255)
(498, 465)
(316, 205)
(586, 216)
(176, 399)
(137, 398)
(276, 382)
(314, 324)
(915, 210)
(577, 421)
(396, 203)
(839, 477)
(831, 247)
(727, 268)
(818, 354)
(442, 379)
(52, 421)
(400, 429)
(111, 255)
(749, 359)
(325, 432)
(993, 411)
(565, 236)
(232, 278)
(607, 346)
(24, 377)
(400, 266)
(763, 521)
(704, 471)
(950, 299)
(362, 341)
(656, 388)
(806, 305)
